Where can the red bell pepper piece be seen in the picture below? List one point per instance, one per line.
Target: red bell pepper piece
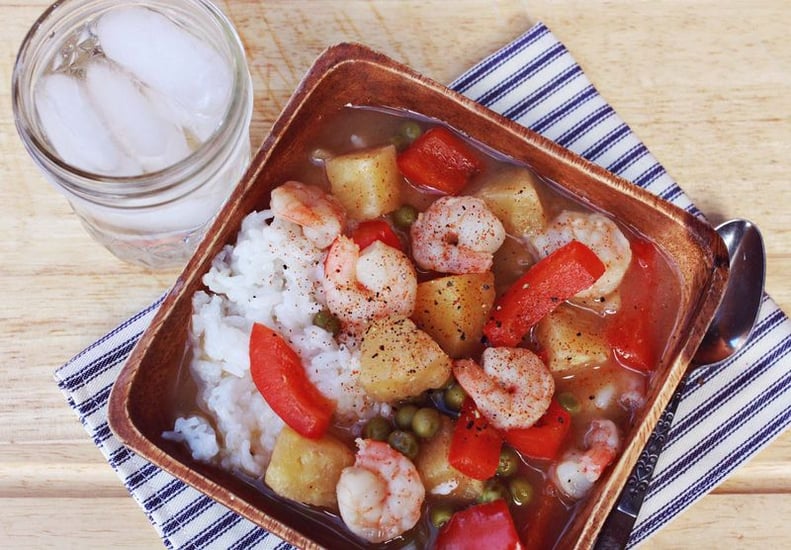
(475, 444)
(278, 374)
(543, 439)
(375, 230)
(486, 526)
(550, 282)
(440, 160)
(630, 332)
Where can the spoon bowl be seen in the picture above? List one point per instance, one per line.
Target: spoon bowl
(738, 311)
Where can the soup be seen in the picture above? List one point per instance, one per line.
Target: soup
(422, 340)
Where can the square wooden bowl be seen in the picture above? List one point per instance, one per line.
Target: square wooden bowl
(140, 404)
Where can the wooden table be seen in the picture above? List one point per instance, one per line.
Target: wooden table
(706, 85)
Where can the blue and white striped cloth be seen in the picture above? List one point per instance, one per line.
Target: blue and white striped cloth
(743, 405)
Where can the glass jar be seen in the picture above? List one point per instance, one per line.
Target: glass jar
(153, 218)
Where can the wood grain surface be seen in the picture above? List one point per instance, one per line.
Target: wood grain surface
(705, 84)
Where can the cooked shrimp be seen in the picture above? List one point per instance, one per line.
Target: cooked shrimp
(601, 235)
(320, 214)
(512, 390)
(456, 235)
(362, 286)
(610, 389)
(381, 495)
(578, 470)
(633, 393)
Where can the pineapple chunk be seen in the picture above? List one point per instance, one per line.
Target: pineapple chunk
(366, 182)
(571, 339)
(440, 478)
(398, 360)
(307, 470)
(453, 310)
(511, 195)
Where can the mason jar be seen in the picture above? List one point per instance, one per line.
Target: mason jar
(143, 212)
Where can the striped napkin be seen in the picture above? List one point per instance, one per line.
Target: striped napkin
(743, 405)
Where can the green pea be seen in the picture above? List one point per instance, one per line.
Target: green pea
(400, 142)
(494, 489)
(404, 442)
(404, 216)
(377, 428)
(521, 490)
(404, 416)
(454, 397)
(509, 462)
(426, 422)
(326, 320)
(440, 514)
(569, 401)
(411, 130)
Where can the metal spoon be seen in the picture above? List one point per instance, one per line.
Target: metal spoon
(729, 330)
(738, 311)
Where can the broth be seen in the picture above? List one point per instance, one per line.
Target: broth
(601, 385)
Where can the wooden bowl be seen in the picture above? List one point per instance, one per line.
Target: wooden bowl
(352, 74)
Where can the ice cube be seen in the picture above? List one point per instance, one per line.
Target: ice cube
(151, 140)
(171, 60)
(75, 130)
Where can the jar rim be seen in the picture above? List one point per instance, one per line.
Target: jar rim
(91, 185)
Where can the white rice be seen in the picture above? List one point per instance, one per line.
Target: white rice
(271, 276)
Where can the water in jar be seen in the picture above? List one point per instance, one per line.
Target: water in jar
(130, 93)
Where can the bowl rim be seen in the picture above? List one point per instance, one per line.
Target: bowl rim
(334, 57)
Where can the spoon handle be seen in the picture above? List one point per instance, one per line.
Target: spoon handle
(618, 527)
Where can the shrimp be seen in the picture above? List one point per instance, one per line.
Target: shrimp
(601, 235)
(381, 495)
(512, 390)
(456, 235)
(632, 396)
(611, 389)
(320, 215)
(362, 286)
(577, 471)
